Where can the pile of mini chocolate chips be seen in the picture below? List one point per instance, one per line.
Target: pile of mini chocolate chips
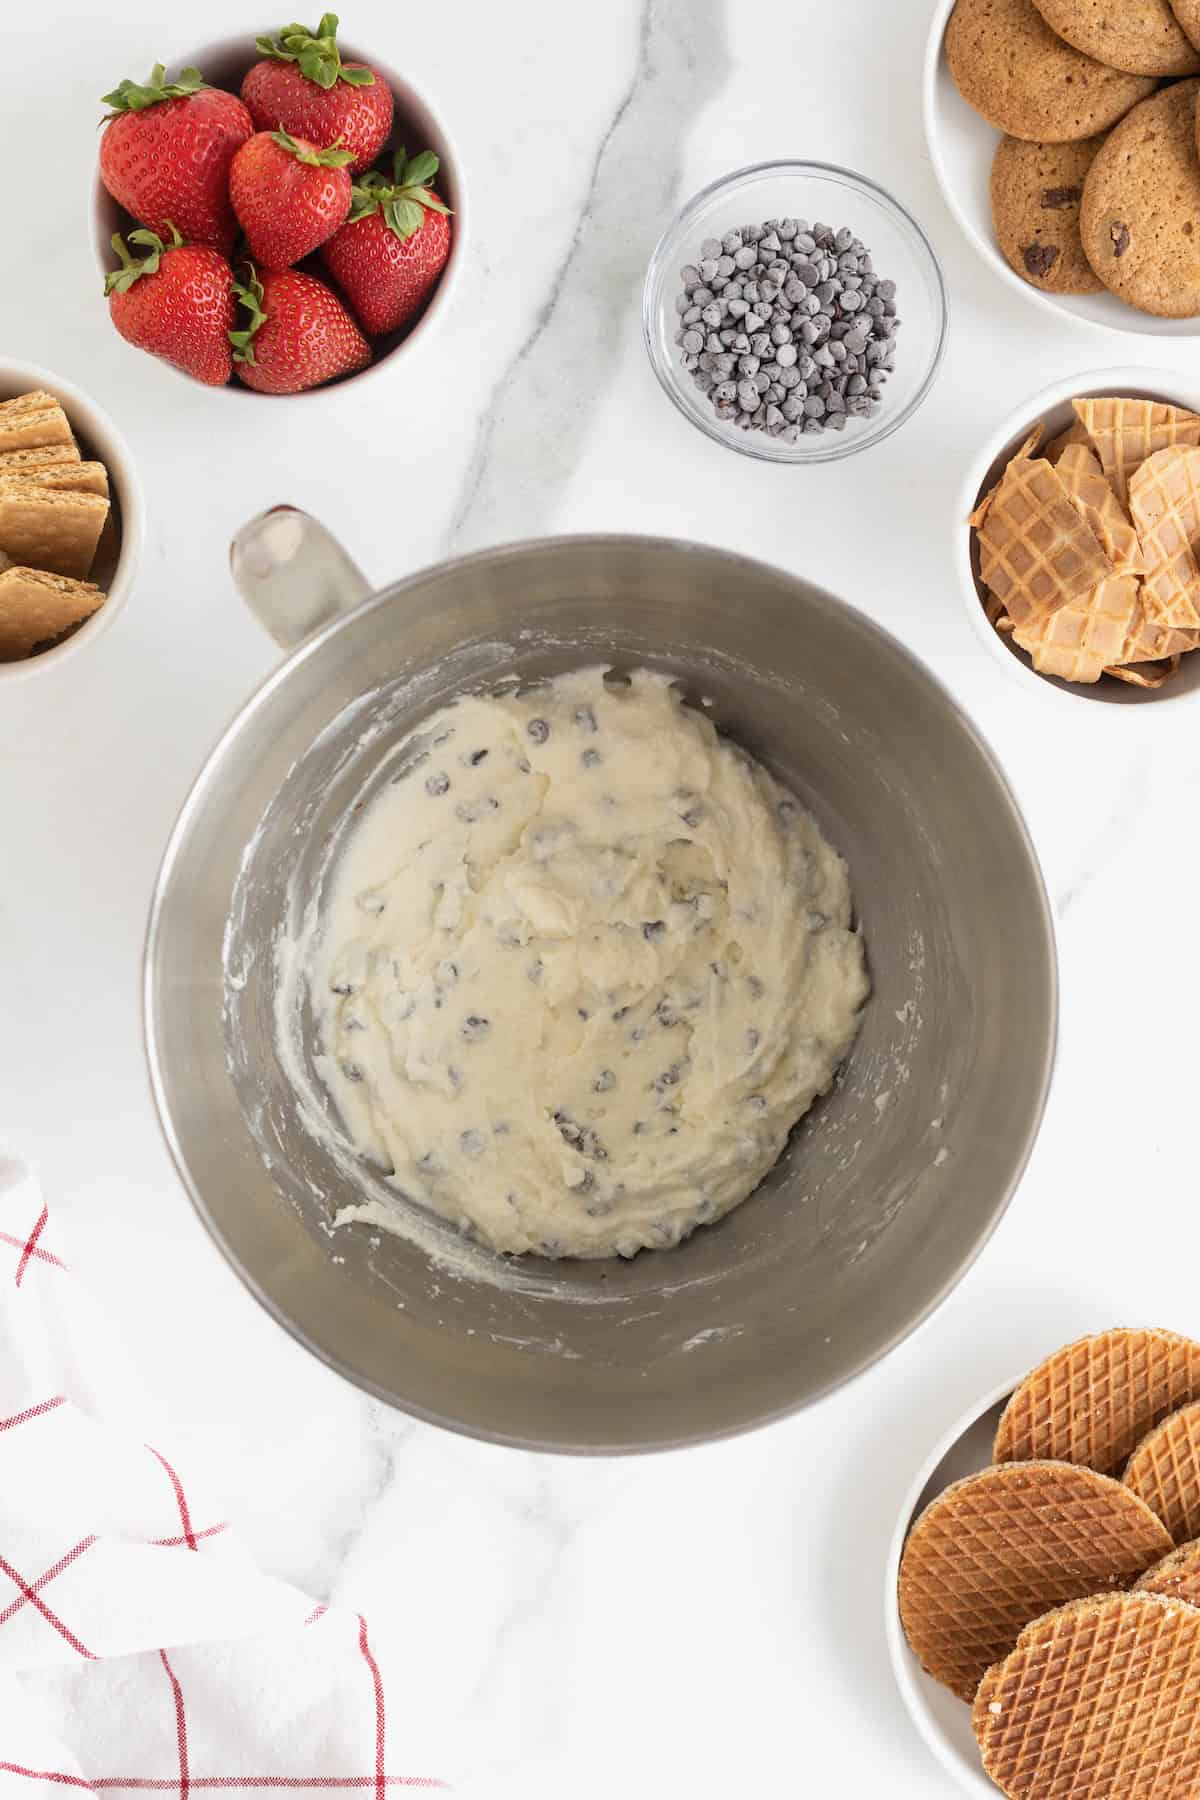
(787, 328)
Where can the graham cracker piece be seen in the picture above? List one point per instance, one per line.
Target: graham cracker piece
(46, 456)
(68, 478)
(43, 529)
(36, 607)
(32, 421)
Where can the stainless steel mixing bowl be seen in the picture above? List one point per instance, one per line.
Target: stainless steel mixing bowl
(889, 1188)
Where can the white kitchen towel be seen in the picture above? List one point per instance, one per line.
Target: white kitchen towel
(140, 1646)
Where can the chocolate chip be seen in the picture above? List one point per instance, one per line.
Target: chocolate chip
(538, 730)
(1054, 199)
(1039, 259)
(654, 929)
(1120, 238)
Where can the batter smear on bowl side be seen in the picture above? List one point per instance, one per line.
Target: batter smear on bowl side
(582, 968)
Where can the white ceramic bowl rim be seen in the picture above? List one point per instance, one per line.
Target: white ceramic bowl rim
(848, 444)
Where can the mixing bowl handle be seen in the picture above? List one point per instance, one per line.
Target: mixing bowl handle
(293, 574)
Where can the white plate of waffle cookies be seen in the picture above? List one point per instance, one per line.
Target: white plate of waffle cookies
(1044, 1578)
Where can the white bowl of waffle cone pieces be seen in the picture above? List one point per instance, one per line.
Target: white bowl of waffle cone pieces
(71, 521)
(1060, 1512)
(1140, 607)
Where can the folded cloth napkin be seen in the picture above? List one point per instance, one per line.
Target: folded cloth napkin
(140, 1647)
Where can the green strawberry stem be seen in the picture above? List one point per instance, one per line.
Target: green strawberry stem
(133, 96)
(250, 295)
(333, 158)
(316, 53)
(405, 199)
(119, 281)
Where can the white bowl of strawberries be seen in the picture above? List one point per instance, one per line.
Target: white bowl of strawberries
(281, 216)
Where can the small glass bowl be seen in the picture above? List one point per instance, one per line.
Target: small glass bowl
(814, 191)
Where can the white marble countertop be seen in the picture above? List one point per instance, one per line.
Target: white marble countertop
(707, 1622)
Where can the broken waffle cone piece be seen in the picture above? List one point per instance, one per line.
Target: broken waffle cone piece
(1096, 503)
(1099, 1700)
(1027, 449)
(994, 1551)
(36, 608)
(1079, 640)
(1125, 432)
(1075, 433)
(1035, 552)
(1164, 498)
(1152, 643)
(1164, 1471)
(1094, 1401)
(1177, 1576)
(1145, 674)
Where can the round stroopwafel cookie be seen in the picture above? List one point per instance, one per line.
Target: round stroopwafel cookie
(1165, 1471)
(1099, 1700)
(1177, 1576)
(1094, 1401)
(1004, 1546)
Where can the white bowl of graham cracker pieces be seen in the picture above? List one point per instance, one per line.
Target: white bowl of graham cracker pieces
(1050, 413)
(71, 520)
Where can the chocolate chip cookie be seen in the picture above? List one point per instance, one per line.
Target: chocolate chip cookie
(1009, 65)
(1188, 14)
(1140, 217)
(1036, 193)
(1143, 38)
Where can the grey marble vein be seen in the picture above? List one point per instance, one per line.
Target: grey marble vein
(524, 453)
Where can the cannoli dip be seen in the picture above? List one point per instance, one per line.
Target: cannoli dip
(582, 968)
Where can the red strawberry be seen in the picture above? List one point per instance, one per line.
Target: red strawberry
(299, 334)
(166, 151)
(304, 87)
(389, 254)
(177, 303)
(288, 196)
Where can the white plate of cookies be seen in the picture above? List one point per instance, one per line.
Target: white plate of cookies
(1056, 163)
(1043, 1586)
(70, 520)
